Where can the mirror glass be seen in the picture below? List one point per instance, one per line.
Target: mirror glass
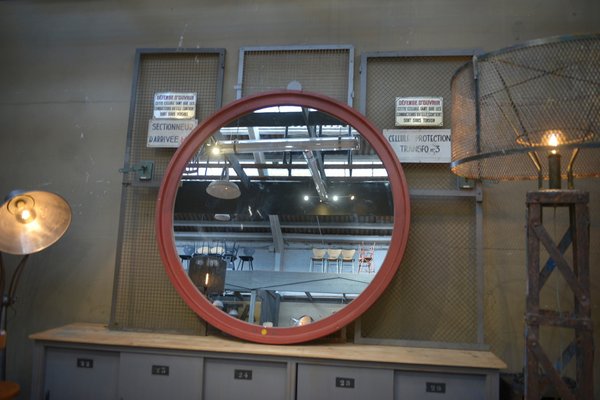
(283, 216)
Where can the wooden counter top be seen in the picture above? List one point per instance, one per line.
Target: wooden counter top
(97, 334)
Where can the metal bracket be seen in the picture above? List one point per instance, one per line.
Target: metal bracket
(465, 183)
(145, 169)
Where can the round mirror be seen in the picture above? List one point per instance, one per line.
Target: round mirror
(282, 217)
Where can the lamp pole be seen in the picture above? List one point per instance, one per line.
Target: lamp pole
(8, 299)
(30, 221)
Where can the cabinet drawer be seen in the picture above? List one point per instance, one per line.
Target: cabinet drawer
(158, 376)
(240, 379)
(347, 383)
(80, 374)
(438, 386)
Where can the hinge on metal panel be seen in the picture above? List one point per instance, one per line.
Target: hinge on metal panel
(475, 68)
(144, 168)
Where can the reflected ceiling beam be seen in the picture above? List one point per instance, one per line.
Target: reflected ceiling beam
(292, 225)
(277, 241)
(315, 173)
(234, 162)
(314, 159)
(277, 234)
(279, 145)
(259, 157)
(287, 237)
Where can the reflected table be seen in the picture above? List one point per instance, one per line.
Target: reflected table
(303, 282)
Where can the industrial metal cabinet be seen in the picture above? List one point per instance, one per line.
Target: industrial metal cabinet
(88, 361)
(80, 374)
(159, 376)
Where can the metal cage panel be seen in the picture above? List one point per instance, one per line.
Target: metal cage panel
(436, 298)
(322, 69)
(143, 297)
(433, 297)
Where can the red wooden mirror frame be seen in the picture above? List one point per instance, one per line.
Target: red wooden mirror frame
(281, 335)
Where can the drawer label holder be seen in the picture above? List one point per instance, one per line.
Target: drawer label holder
(160, 370)
(85, 363)
(242, 374)
(346, 383)
(435, 387)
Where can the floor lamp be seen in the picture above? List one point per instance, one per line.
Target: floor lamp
(532, 111)
(29, 223)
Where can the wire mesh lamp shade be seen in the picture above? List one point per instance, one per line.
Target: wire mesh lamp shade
(518, 111)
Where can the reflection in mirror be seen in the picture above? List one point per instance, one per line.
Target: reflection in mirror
(283, 217)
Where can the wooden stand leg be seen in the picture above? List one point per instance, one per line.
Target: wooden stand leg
(539, 369)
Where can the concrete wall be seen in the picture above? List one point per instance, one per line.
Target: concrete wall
(65, 79)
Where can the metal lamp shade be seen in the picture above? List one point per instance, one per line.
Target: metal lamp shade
(32, 221)
(506, 103)
(223, 189)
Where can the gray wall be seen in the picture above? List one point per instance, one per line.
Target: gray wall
(65, 79)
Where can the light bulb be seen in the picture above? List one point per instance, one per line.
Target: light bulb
(22, 208)
(553, 139)
(26, 216)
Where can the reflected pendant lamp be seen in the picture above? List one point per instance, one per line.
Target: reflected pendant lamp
(224, 188)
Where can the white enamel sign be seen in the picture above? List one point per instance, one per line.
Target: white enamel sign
(419, 111)
(420, 145)
(174, 105)
(169, 132)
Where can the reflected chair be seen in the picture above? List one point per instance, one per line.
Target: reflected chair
(365, 258)
(186, 254)
(203, 250)
(317, 259)
(347, 258)
(333, 258)
(247, 257)
(230, 254)
(217, 251)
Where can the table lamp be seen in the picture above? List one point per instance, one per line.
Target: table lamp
(532, 111)
(29, 223)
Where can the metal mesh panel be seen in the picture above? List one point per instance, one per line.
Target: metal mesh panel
(318, 70)
(434, 293)
(391, 77)
(171, 73)
(503, 120)
(143, 295)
